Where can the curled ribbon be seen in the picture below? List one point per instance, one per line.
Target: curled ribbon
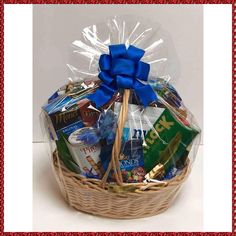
(122, 69)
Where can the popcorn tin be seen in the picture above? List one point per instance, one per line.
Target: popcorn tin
(122, 141)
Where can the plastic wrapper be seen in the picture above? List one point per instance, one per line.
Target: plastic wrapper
(122, 60)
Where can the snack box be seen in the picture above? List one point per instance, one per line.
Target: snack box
(165, 135)
(166, 142)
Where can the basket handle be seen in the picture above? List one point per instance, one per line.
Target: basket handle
(114, 162)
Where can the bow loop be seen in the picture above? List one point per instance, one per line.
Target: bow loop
(105, 62)
(142, 71)
(124, 81)
(122, 66)
(134, 53)
(122, 69)
(117, 50)
(105, 77)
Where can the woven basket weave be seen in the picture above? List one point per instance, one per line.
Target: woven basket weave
(98, 197)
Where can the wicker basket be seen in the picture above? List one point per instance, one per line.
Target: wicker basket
(118, 200)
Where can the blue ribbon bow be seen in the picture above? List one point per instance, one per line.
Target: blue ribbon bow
(122, 69)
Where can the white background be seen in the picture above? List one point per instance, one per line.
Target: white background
(217, 118)
(55, 27)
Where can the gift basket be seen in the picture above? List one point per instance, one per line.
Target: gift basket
(121, 140)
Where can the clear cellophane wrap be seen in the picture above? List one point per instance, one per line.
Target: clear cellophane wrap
(114, 123)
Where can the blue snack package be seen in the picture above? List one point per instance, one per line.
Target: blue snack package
(132, 161)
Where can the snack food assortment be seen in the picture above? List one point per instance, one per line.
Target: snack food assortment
(155, 138)
(119, 120)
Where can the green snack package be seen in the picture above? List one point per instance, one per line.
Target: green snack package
(65, 155)
(166, 142)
